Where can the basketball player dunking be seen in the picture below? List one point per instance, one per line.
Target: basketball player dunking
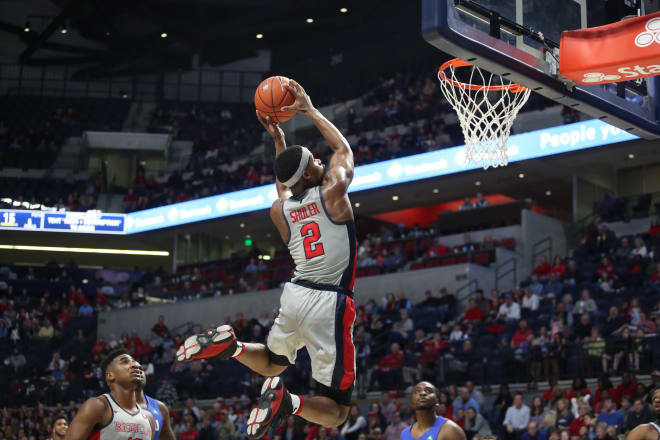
(159, 411)
(314, 218)
(649, 431)
(114, 415)
(429, 426)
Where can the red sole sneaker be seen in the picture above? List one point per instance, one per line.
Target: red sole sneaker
(215, 342)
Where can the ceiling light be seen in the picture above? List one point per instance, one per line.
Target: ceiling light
(548, 193)
(477, 183)
(357, 204)
(27, 26)
(343, 10)
(310, 20)
(242, 225)
(64, 29)
(631, 156)
(395, 198)
(84, 250)
(436, 190)
(163, 35)
(521, 175)
(259, 36)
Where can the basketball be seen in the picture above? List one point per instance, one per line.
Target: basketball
(271, 96)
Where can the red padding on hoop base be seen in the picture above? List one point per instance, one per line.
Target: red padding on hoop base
(622, 51)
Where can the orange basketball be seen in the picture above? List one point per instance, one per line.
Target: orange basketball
(271, 96)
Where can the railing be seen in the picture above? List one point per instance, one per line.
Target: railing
(471, 283)
(500, 271)
(545, 246)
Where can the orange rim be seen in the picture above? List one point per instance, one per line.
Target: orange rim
(457, 62)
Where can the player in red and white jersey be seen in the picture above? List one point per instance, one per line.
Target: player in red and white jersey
(314, 217)
(114, 415)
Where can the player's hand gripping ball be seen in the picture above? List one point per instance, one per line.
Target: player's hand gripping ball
(271, 96)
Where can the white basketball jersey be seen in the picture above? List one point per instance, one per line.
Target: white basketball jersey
(123, 425)
(323, 250)
(657, 428)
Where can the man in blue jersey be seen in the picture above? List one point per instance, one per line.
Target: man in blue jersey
(429, 426)
(158, 409)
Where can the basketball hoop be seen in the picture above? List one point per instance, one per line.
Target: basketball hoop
(486, 106)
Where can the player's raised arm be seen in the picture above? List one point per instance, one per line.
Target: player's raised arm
(91, 413)
(280, 145)
(340, 174)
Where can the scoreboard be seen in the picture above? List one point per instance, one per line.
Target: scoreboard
(59, 221)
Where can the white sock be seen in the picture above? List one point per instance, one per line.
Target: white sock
(240, 347)
(296, 402)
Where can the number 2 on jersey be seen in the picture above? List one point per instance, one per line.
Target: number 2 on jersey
(312, 235)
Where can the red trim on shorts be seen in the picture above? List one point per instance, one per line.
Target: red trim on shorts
(349, 349)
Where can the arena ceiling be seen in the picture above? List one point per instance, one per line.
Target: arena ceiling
(126, 34)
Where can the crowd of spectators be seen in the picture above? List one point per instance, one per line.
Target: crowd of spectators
(560, 322)
(613, 208)
(50, 193)
(391, 250)
(35, 146)
(223, 134)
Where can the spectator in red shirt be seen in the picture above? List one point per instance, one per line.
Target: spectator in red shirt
(99, 347)
(130, 200)
(606, 267)
(426, 360)
(160, 328)
(543, 269)
(627, 388)
(578, 388)
(473, 313)
(554, 392)
(390, 369)
(63, 318)
(558, 266)
(437, 250)
(581, 421)
(252, 177)
(654, 229)
(604, 384)
(521, 334)
(655, 276)
(190, 433)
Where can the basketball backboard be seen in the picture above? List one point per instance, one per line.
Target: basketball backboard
(519, 40)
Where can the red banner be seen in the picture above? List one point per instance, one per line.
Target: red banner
(621, 51)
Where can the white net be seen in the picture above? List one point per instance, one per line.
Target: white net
(486, 107)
